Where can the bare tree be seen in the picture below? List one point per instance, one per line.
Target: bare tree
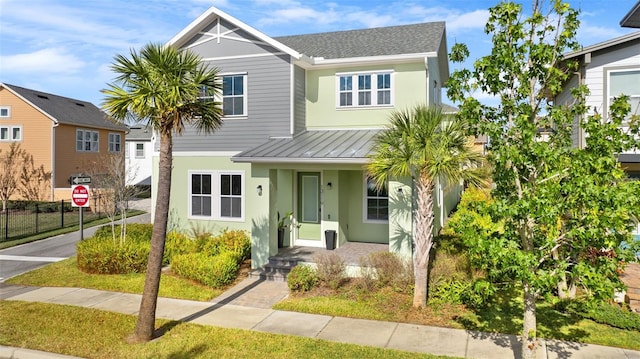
(10, 162)
(34, 181)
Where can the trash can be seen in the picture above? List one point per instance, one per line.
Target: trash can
(330, 237)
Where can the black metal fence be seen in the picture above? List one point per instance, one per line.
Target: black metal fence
(23, 219)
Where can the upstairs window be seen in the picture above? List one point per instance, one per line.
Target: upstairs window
(234, 99)
(216, 195)
(625, 82)
(87, 141)
(140, 150)
(376, 202)
(5, 112)
(365, 89)
(114, 142)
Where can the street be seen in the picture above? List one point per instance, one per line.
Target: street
(26, 257)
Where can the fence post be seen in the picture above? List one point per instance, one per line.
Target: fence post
(6, 224)
(62, 213)
(37, 218)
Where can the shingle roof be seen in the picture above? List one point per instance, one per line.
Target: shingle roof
(139, 133)
(632, 18)
(67, 110)
(326, 146)
(393, 40)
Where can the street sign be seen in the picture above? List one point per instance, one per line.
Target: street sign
(80, 196)
(80, 180)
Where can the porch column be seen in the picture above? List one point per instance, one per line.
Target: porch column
(400, 217)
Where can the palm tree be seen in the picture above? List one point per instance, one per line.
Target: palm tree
(427, 146)
(160, 86)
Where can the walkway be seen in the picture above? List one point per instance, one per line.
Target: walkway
(246, 307)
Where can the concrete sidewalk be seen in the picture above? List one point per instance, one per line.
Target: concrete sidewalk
(407, 337)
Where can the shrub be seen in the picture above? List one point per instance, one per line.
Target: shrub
(388, 269)
(213, 271)
(104, 256)
(137, 232)
(177, 243)
(602, 312)
(302, 278)
(331, 270)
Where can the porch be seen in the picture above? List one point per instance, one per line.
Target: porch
(350, 252)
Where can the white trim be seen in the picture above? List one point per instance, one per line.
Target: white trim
(10, 131)
(245, 95)
(216, 195)
(292, 90)
(319, 62)
(311, 243)
(365, 197)
(119, 136)
(204, 153)
(84, 140)
(213, 13)
(242, 56)
(357, 161)
(8, 108)
(372, 90)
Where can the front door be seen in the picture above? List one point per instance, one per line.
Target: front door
(309, 206)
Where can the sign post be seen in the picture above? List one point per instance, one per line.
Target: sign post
(80, 198)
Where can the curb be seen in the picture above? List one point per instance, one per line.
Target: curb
(20, 353)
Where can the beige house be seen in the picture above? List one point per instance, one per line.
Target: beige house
(63, 134)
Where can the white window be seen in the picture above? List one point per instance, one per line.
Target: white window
(370, 89)
(625, 82)
(10, 133)
(140, 150)
(217, 195)
(87, 141)
(234, 95)
(114, 142)
(5, 111)
(376, 202)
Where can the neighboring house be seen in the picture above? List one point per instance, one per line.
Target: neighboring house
(632, 19)
(63, 134)
(609, 69)
(138, 156)
(300, 115)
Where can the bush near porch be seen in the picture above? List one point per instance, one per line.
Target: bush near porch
(207, 259)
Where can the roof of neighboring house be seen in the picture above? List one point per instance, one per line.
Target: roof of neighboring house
(604, 45)
(632, 19)
(383, 41)
(65, 110)
(137, 133)
(322, 146)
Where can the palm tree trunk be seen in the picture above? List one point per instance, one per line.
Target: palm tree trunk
(145, 325)
(423, 238)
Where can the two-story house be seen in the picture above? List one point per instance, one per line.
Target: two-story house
(63, 134)
(300, 113)
(138, 151)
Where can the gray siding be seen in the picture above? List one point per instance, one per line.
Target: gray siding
(300, 109)
(268, 90)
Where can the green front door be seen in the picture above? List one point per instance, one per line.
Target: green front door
(309, 206)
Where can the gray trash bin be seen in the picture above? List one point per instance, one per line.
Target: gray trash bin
(330, 237)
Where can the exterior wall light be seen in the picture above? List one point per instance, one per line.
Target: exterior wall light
(259, 190)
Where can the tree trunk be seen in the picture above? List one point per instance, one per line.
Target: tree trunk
(145, 325)
(422, 238)
(529, 342)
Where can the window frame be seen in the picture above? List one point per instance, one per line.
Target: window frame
(84, 140)
(216, 195)
(245, 110)
(118, 143)
(608, 98)
(358, 88)
(8, 109)
(365, 204)
(10, 133)
(139, 156)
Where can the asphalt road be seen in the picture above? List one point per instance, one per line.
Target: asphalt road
(26, 257)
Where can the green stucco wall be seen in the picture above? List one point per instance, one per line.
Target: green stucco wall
(410, 86)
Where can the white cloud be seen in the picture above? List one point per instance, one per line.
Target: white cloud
(471, 20)
(50, 61)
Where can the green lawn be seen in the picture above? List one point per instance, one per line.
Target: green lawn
(91, 333)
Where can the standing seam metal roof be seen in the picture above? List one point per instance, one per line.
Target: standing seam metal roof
(383, 41)
(340, 146)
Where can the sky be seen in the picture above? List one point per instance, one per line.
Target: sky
(65, 47)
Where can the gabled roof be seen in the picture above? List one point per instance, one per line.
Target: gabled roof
(383, 41)
(632, 19)
(604, 45)
(64, 110)
(321, 146)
